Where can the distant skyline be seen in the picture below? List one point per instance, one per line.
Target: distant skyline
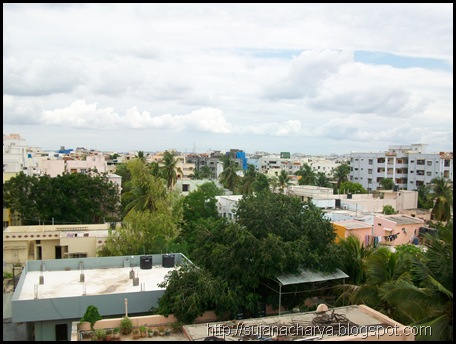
(303, 78)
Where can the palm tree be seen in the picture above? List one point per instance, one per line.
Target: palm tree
(307, 175)
(442, 196)
(284, 180)
(322, 181)
(340, 174)
(387, 183)
(248, 179)
(352, 256)
(170, 169)
(427, 300)
(229, 177)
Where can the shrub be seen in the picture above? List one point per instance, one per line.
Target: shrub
(91, 315)
(126, 325)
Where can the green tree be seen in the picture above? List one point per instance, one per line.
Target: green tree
(91, 315)
(283, 180)
(424, 200)
(306, 175)
(190, 291)
(442, 196)
(350, 187)
(229, 177)
(247, 181)
(67, 198)
(352, 255)
(340, 174)
(427, 299)
(322, 180)
(170, 168)
(199, 206)
(261, 183)
(273, 234)
(144, 189)
(387, 183)
(388, 210)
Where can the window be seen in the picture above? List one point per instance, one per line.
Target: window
(369, 171)
(371, 161)
(429, 163)
(185, 187)
(429, 174)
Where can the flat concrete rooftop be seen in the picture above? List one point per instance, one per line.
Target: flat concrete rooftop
(101, 281)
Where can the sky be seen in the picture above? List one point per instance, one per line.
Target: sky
(315, 79)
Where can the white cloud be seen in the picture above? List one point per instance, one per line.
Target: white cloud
(224, 72)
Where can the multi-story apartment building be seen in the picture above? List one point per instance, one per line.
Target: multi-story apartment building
(272, 163)
(408, 165)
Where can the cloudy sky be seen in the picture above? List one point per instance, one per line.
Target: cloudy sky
(308, 78)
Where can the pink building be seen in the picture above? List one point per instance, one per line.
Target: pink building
(352, 227)
(396, 230)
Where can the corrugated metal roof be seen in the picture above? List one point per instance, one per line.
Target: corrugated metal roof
(307, 276)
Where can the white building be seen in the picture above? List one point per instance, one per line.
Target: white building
(409, 166)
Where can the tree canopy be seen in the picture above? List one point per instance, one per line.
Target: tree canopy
(67, 198)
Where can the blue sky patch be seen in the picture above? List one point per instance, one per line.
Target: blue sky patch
(397, 61)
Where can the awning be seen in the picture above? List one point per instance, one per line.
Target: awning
(387, 229)
(307, 276)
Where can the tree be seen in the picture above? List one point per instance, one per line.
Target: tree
(229, 177)
(340, 174)
(352, 255)
(424, 200)
(306, 175)
(387, 183)
(67, 198)
(322, 180)
(350, 187)
(144, 189)
(199, 207)
(260, 183)
(284, 180)
(427, 299)
(442, 196)
(246, 183)
(388, 210)
(190, 291)
(273, 234)
(91, 315)
(170, 169)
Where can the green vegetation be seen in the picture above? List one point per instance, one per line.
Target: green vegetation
(91, 315)
(67, 198)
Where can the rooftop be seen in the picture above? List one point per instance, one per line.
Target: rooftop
(353, 224)
(351, 322)
(96, 282)
(402, 220)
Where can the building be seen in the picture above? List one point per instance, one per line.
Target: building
(349, 323)
(356, 228)
(393, 230)
(52, 294)
(23, 243)
(227, 205)
(409, 166)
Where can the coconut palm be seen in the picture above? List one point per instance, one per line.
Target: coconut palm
(352, 256)
(248, 179)
(283, 180)
(322, 180)
(427, 300)
(306, 174)
(170, 169)
(340, 174)
(229, 177)
(442, 195)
